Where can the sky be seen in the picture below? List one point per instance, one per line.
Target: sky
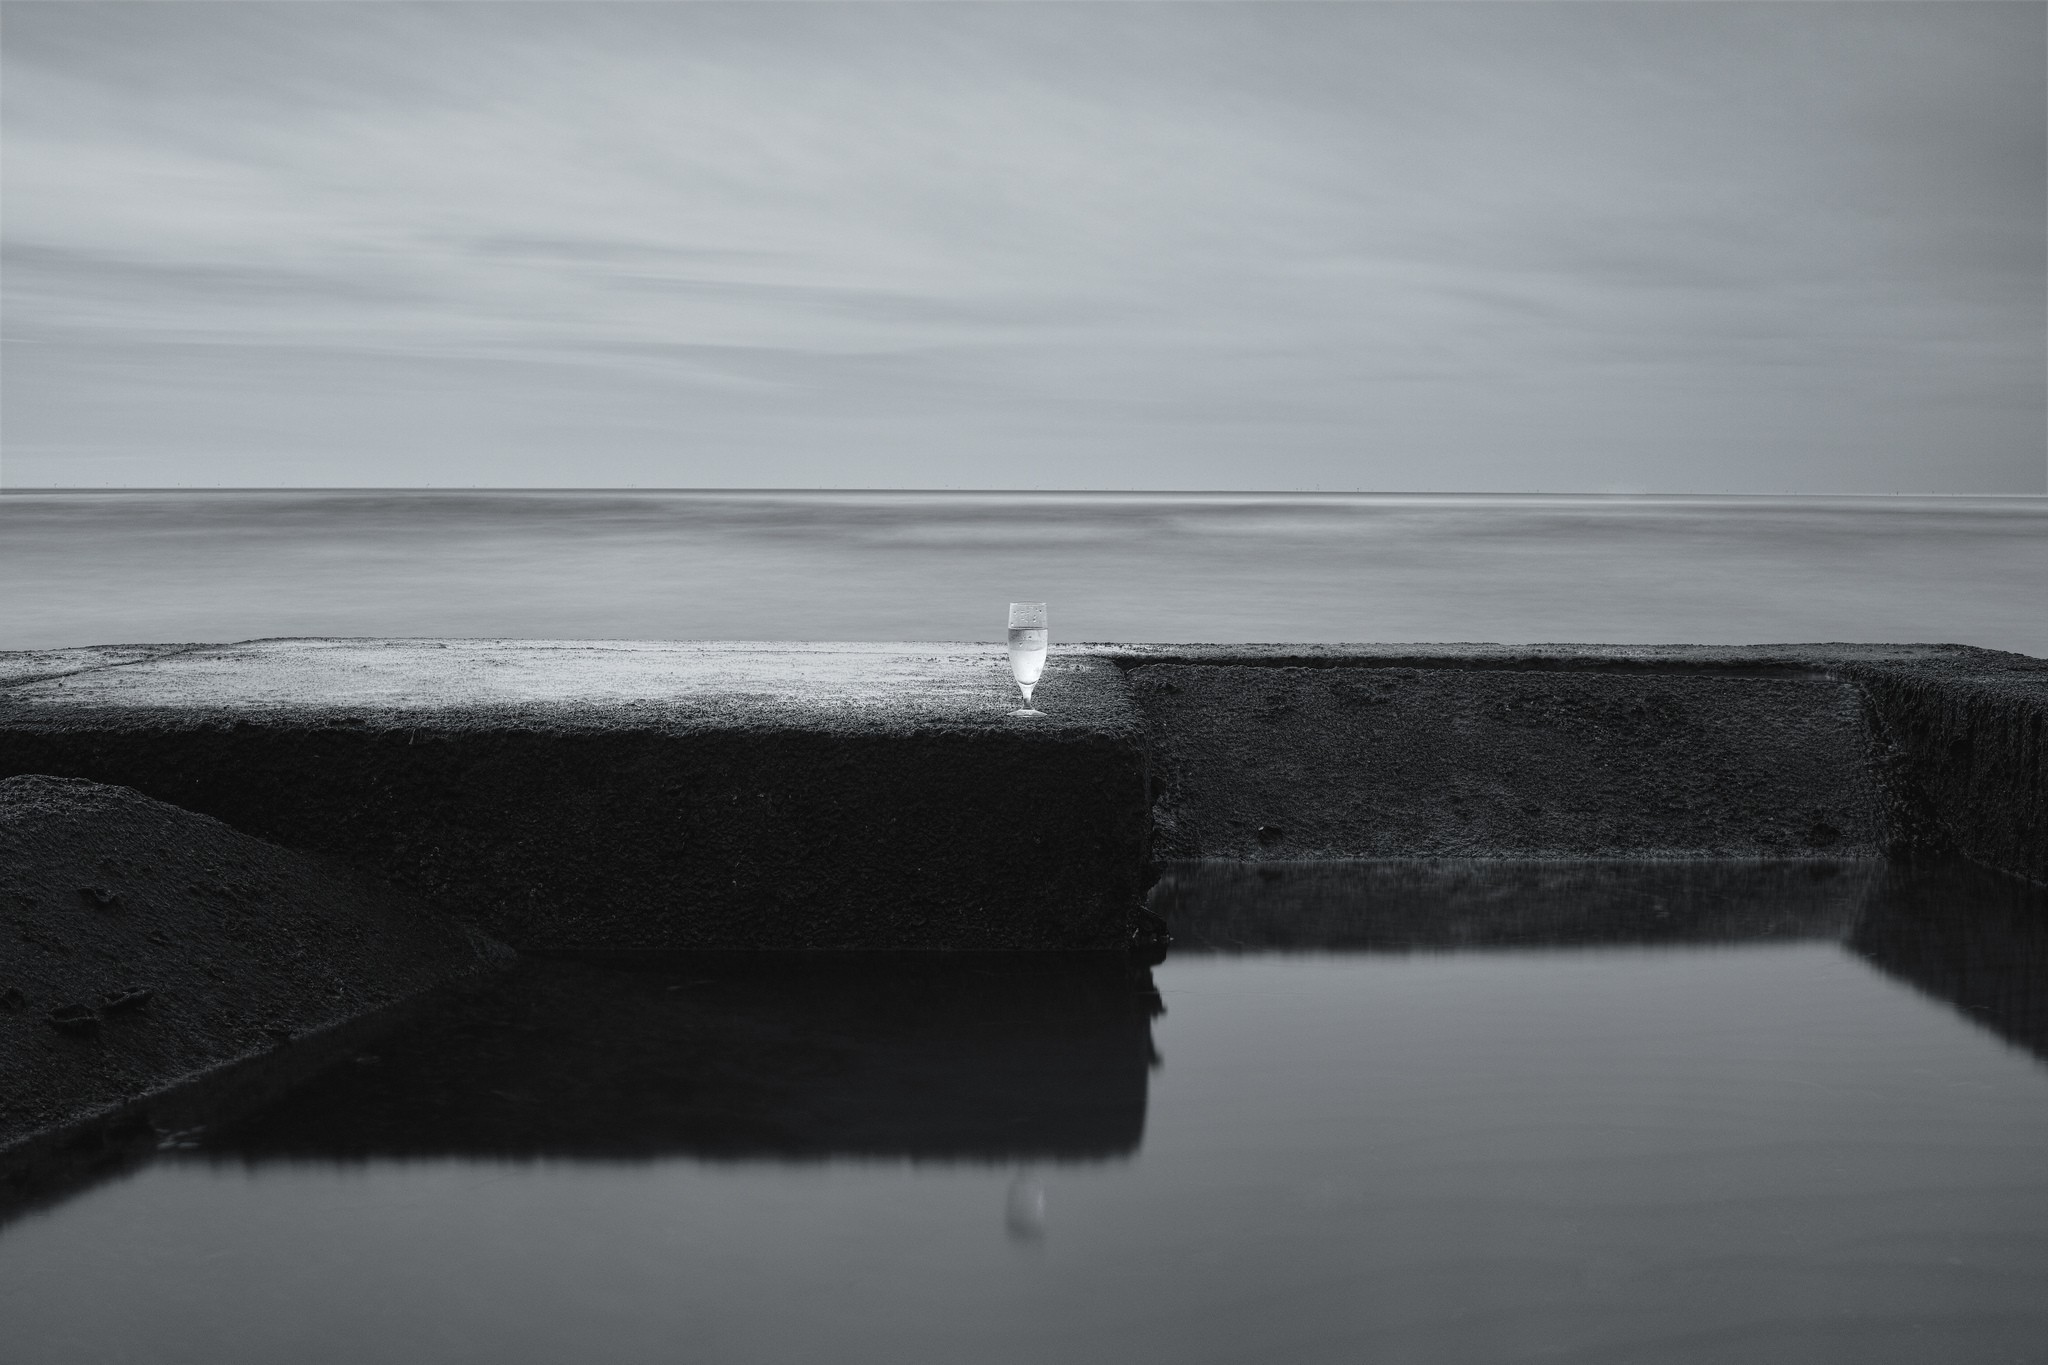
(1605, 247)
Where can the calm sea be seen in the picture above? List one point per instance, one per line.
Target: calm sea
(135, 566)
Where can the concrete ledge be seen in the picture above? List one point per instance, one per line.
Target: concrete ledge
(653, 795)
(647, 795)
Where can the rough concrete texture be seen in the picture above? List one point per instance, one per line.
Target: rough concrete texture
(1817, 659)
(1281, 762)
(1961, 734)
(1967, 746)
(648, 795)
(661, 795)
(146, 945)
(34, 665)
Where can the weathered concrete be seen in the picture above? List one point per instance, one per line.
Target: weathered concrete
(647, 795)
(34, 665)
(147, 945)
(1966, 741)
(1957, 739)
(1265, 762)
(662, 795)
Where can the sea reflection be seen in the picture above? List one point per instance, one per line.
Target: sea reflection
(1972, 938)
(1965, 935)
(1436, 905)
(1019, 1058)
(1476, 1112)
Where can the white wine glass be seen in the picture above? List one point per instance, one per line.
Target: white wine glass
(1028, 636)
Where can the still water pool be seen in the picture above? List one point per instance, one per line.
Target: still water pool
(1378, 1112)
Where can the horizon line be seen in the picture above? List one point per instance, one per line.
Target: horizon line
(941, 491)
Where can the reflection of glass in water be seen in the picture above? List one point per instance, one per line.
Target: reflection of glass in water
(1028, 636)
(1024, 1209)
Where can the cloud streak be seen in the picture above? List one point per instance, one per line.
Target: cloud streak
(1681, 246)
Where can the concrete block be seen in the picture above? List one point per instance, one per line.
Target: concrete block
(1290, 762)
(1967, 742)
(647, 795)
(1960, 734)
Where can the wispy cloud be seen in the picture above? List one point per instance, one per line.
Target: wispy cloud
(1534, 245)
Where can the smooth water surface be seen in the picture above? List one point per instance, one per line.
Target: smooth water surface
(131, 567)
(1764, 1113)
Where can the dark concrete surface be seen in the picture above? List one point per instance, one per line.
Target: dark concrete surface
(1286, 762)
(1967, 746)
(145, 945)
(647, 795)
(657, 795)
(1958, 736)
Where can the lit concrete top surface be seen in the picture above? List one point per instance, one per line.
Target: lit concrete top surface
(607, 684)
(690, 684)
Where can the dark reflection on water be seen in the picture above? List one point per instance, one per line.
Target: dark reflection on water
(1434, 905)
(1967, 936)
(1468, 1113)
(796, 1057)
(1007, 1057)
(1970, 937)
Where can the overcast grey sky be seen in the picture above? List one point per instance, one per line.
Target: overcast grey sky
(1632, 246)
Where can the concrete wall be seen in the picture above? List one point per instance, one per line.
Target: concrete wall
(646, 796)
(658, 795)
(1265, 762)
(1968, 752)
(1565, 749)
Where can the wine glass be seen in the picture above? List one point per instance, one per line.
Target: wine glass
(1027, 649)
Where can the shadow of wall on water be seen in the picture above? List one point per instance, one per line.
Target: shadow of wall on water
(1035, 1057)
(1003, 1057)
(1970, 937)
(996, 1057)
(1438, 905)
